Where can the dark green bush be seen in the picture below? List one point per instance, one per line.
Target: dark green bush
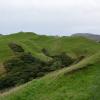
(45, 52)
(62, 60)
(13, 64)
(15, 47)
(23, 67)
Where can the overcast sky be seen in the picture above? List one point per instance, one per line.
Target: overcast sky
(53, 17)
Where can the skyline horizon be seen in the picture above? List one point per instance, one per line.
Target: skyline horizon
(52, 17)
(59, 34)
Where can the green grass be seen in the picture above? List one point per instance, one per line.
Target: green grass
(31, 42)
(77, 82)
(34, 43)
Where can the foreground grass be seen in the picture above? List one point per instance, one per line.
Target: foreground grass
(65, 84)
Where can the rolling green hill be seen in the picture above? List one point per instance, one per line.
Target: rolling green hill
(89, 36)
(79, 81)
(34, 43)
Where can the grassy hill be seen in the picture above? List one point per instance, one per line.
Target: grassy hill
(34, 43)
(78, 82)
(89, 36)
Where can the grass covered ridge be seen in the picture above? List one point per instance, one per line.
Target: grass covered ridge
(33, 43)
(79, 81)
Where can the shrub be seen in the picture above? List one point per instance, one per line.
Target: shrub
(45, 52)
(24, 67)
(40, 74)
(21, 69)
(15, 47)
(13, 64)
(62, 59)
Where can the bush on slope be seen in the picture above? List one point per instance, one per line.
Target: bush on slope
(65, 84)
(24, 67)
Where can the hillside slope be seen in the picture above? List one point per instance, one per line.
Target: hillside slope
(33, 43)
(89, 36)
(78, 82)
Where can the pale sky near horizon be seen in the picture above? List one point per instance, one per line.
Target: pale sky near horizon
(53, 17)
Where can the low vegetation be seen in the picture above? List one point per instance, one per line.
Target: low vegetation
(49, 67)
(77, 82)
(23, 67)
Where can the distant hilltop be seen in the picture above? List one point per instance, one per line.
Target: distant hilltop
(91, 36)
